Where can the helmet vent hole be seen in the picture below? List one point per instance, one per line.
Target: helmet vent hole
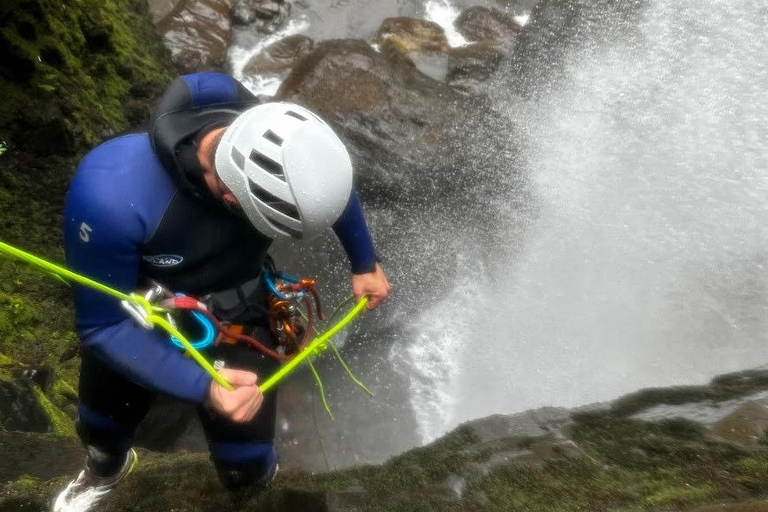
(274, 202)
(292, 232)
(269, 165)
(273, 138)
(296, 115)
(239, 158)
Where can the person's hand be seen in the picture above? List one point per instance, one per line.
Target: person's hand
(373, 284)
(241, 404)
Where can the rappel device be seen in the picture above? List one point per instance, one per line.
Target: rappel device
(294, 309)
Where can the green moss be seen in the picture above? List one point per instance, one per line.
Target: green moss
(722, 388)
(24, 483)
(670, 496)
(70, 67)
(62, 424)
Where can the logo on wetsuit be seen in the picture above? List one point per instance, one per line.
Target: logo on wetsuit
(163, 260)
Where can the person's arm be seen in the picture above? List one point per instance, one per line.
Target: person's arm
(368, 277)
(103, 233)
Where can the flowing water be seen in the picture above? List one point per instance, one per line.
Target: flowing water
(646, 261)
(640, 256)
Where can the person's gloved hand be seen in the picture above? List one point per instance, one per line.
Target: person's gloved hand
(373, 284)
(241, 404)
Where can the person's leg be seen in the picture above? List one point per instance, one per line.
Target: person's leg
(243, 453)
(109, 411)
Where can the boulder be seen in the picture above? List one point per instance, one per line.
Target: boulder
(410, 35)
(265, 15)
(32, 400)
(535, 423)
(395, 120)
(423, 42)
(471, 65)
(197, 34)
(280, 56)
(20, 410)
(161, 9)
(480, 23)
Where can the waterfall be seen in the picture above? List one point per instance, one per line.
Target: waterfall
(643, 258)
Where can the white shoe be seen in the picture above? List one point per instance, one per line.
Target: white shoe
(87, 490)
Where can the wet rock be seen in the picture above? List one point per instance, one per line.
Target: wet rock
(551, 421)
(161, 9)
(395, 120)
(300, 499)
(527, 439)
(265, 15)
(348, 500)
(41, 377)
(20, 410)
(410, 35)
(422, 42)
(555, 29)
(243, 13)
(547, 450)
(516, 457)
(452, 488)
(197, 33)
(280, 56)
(47, 130)
(471, 65)
(480, 23)
(745, 426)
(38, 455)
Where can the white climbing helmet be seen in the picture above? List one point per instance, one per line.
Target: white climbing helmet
(290, 173)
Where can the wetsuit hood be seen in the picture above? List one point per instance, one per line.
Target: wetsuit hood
(191, 106)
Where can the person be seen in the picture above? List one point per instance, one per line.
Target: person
(193, 203)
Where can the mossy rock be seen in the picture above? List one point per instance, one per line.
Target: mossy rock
(68, 68)
(31, 400)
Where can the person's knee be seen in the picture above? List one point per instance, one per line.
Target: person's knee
(244, 465)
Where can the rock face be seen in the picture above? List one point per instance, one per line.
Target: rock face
(195, 32)
(66, 73)
(394, 119)
(480, 23)
(280, 56)
(556, 27)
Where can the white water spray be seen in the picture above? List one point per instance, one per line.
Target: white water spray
(239, 56)
(444, 13)
(646, 263)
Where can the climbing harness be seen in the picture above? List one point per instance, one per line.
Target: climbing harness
(294, 308)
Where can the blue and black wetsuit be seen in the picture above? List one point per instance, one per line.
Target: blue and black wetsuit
(138, 210)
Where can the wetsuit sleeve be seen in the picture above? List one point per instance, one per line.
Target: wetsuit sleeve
(102, 238)
(352, 231)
